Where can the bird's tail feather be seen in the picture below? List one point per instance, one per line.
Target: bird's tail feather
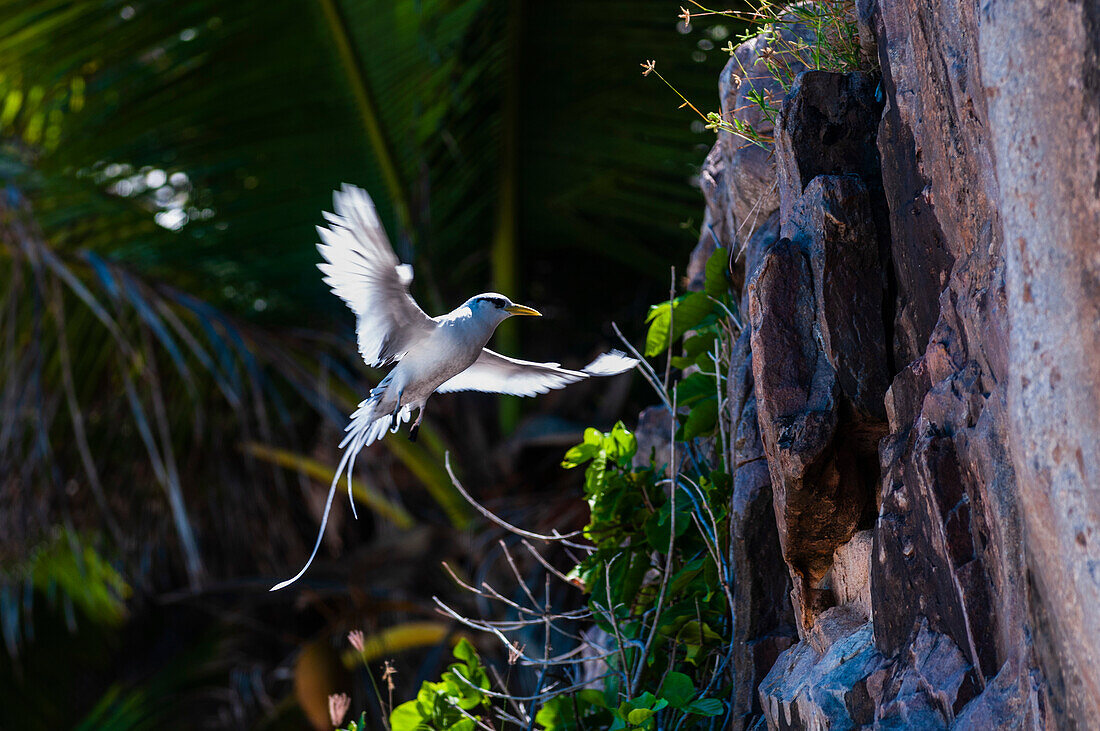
(362, 431)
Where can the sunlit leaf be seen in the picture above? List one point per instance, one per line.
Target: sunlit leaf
(398, 638)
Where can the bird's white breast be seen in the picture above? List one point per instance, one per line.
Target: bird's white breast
(451, 348)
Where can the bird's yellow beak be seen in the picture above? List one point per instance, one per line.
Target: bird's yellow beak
(522, 310)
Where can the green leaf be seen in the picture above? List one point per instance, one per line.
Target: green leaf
(406, 717)
(656, 339)
(717, 273)
(578, 455)
(699, 343)
(705, 362)
(688, 573)
(695, 387)
(702, 419)
(560, 713)
(682, 314)
(695, 637)
(706, 707)
(465, 651)
(677, 689)
(689, 311)
(658, 310)
(624, 442)
(639, 716)
(721, 480)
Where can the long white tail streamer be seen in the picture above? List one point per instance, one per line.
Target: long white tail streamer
(361, 433)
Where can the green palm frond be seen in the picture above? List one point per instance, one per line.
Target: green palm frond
(267, 107)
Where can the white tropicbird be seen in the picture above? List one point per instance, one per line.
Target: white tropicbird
(433, 354)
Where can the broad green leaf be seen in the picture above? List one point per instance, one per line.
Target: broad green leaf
(700, 343)
(560, 713)
(670, 321)
(706, 707)
(690, 310)
(717, 273)
(688, 573)
(657, 310)
(702, 419)
(308, 466)
(407, 717)
(579, 454)
(721, 480)
(625, 442)
(656, 340)
(695, 387)
(705, 362)
(677, 689)
(466, 652)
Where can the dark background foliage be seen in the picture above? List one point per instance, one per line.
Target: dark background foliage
(172, 361)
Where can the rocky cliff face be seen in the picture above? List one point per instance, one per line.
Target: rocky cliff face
(916, 393)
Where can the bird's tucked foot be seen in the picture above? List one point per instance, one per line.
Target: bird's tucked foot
(395, 417)
(415, 428)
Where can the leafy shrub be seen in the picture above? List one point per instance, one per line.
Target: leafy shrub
(656, 574)
(451, 703)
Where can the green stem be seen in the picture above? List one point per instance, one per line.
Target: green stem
(368, 113)
(503, 252)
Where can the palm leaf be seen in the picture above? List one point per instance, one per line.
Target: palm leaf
(363, 493)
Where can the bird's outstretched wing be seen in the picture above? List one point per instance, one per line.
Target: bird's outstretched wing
(362, 270)
(496, 373)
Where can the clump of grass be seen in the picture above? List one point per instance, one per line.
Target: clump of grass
(818, 35)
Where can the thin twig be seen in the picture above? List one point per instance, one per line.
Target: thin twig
(489, 515)
(646, 369)
(668, 557)
(546, 565)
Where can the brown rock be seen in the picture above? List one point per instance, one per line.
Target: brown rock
(1042, 82)
(826, 126)
(833, 624)
(796, 394)
(832, 221)
(654, 435)
(850, 577)
(986, 214)
(763, 620)
(752, 253)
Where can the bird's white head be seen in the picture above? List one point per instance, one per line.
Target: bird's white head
(497, 308)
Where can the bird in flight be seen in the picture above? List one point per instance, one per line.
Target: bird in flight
(433, 354)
